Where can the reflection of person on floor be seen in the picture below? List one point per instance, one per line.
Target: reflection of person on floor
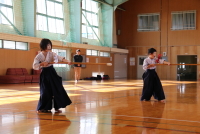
(152, 112)
(46, 121)
(51, 87)
(152, 84)
(77, 67)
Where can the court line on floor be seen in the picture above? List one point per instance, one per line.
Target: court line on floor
(139, 117)
(134, 116)
(130, 116)
(125, 120)
(124, 125)
(27, 112)
(106, 99)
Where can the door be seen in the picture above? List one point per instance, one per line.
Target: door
(120, 66)
(187, 73)
(140, 70)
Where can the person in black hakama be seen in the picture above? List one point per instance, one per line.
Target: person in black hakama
(52, 92)
(152, 84)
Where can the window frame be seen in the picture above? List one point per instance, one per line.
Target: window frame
(103, 54)
(22, 42)
(2, 43)
(184, 12)
(91, 52)
(148, 30)
(55, 50)
(8, 6)
(52, 17)
(86, 25)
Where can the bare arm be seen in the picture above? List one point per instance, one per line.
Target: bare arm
(165, 62)
(64, 60)
(37, 64)
(61, 59)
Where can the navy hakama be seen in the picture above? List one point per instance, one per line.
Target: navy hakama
(52, 92)
(152, 86)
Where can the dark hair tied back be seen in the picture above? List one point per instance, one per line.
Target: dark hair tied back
(151, 50)
(43, 44)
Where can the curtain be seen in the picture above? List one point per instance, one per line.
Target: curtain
(183, 20)
(148, 22)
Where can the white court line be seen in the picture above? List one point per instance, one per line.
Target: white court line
(138, 117)
(116, 115)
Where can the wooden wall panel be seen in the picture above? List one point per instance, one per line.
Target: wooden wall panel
(127, 22)
(164, 72)
(17, 58)
(179, 42)
(24, 59)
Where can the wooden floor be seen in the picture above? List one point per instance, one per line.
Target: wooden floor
(103, 107)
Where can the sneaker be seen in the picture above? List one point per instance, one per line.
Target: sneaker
(76, 81)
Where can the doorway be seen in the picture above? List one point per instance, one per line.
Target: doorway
(140, 69)
(120, 66)
(187, 73)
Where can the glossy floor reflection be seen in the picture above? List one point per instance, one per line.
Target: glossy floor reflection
(103, 107)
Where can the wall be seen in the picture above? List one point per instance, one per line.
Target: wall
(24, 59)
(17, 58)
(180, 42)
(164, 72)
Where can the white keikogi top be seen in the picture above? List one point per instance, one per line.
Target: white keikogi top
(51, 57)
(149, 61)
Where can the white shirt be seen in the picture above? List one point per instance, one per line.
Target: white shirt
(51, 57)
(149, 61)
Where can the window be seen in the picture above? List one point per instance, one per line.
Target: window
(62, 53)
(90, 23)
(50, 16)
(94, 74)
(92, 52)
(21, 46)
(6, 6)
(9, 44)
(148, 22)
(104, 54)
(183, 20)
(14, 45)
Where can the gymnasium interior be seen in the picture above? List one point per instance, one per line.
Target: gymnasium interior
(106, 99)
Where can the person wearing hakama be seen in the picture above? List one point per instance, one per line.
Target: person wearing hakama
(52, 92)
(152, 84)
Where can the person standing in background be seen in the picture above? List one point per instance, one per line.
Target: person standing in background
(77, 67)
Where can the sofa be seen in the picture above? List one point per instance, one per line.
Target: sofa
(36, 76)
(19, 75)
(8, 79)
